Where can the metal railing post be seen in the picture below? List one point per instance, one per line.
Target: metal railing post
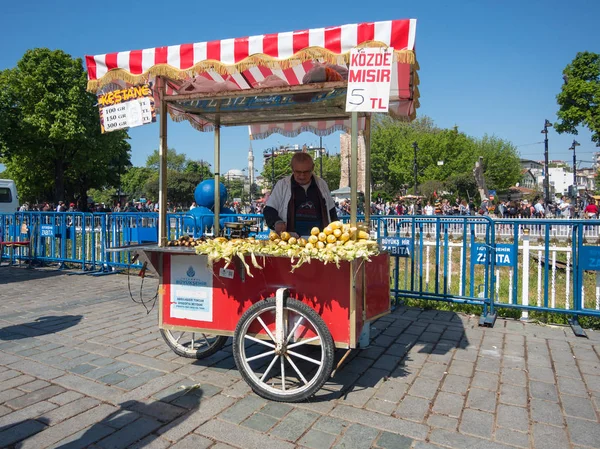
(525, 283)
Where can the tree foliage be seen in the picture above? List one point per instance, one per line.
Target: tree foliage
(200, 167)
(50, 139)
(281, 167)
(180, 189)
(443, 155)
(501, 163)
(175, 162)
(462, 185)
(332, 170)
(103, 196)
(134, 182)
(183, 176)
(276, 168)
(235, 189)
(579, 99)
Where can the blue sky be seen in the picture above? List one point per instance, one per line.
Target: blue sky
(490, 67)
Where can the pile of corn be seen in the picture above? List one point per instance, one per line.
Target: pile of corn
(333, 244)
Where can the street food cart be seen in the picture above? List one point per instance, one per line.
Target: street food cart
(285, 325)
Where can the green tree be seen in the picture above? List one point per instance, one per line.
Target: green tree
(501, 163)
(235, 189)
(392, 153)
(332, 170)
(579, 99)
(108, 162)
(279, 166)
(200, 167)
(180, 189)
(255, 191)
(135, 180)
(442, 155)
(431, 187)
(50, 139)
(462, 185)
(175, 162)
(104, 196)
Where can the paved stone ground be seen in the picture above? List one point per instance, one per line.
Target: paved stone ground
(81, 365)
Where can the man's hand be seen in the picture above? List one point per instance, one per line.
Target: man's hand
(280, 227)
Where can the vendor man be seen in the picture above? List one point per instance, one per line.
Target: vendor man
(300, 201)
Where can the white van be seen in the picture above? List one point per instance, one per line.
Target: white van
(9, 201)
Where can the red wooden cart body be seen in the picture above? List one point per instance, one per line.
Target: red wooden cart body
(324, 287)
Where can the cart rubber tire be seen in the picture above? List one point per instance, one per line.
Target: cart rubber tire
(184, 351)
(327, 351)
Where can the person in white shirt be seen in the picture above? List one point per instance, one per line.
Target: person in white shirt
(564, 208)
(300, 201)
(429, 209)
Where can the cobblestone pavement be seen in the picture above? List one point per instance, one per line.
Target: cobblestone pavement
(81, 365)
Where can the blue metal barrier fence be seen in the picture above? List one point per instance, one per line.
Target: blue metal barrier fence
(531, 265)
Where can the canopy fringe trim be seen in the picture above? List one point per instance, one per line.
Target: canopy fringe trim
(300, 130)
(306, 54)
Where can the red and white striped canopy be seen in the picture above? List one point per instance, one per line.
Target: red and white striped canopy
(269, 60)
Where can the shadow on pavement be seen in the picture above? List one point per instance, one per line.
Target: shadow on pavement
(13, 433)
(131, 426)
(399, 345)
(15, 274)
(42, 326)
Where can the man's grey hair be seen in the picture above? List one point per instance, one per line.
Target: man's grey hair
(301, 157)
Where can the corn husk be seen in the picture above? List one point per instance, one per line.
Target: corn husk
(299, 253)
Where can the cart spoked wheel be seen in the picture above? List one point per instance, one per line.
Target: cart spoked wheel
(286, 354)
(194, 345)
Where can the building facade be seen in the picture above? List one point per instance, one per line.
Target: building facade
(560, 180)
(533, 169)
(528, 179)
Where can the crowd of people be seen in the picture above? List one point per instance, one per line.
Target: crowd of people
(563, 208)
(421, 206)
(240, 208)
(61, 206)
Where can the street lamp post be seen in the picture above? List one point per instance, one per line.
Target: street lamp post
(574, 190)
(202, 165)
(119, 191)
(272, 168)
(416, 167)
(547, 125)
(228, 183)
(321, 156)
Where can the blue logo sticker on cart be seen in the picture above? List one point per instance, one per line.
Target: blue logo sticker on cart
(398, 246)
(505, 254)
(262, 236)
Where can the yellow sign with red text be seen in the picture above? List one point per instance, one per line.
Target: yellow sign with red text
(126, 108)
